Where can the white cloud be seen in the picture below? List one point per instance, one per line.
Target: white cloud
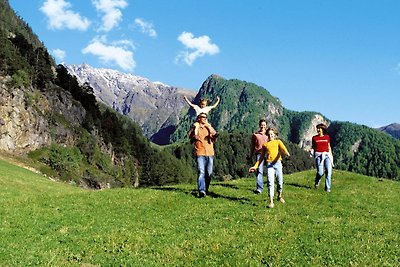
(124, 43)
(59, 54)
(195, 47)
(112, 13)
(60, 16)
(146, 27)
(116, 53)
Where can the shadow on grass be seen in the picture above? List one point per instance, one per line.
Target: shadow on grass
(227, 185)
(210, 194)
(299, 185)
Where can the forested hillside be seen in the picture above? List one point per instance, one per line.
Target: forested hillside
(46, 114)
(356, 148)
(365, 150)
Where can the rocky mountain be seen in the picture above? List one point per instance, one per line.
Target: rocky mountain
(25, 118)
(44, 110)
(59, 126)
(392, 129)
(243, 104)
(156, 107)
(164, 116)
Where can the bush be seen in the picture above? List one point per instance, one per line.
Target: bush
(66, 161)
(19, 79)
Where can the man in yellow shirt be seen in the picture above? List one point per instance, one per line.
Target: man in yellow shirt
(274, 149)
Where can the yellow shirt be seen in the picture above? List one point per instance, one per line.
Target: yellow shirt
(274, 150)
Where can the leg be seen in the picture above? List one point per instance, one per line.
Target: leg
(210, 166)
(328, 168)
(259, 175)
(271, 179)
(279, 177)
(201, 182)
(320, 170)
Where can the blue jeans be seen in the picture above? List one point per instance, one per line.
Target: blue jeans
(205, 169)
(323, 164)
(274, 168)
(259, 174)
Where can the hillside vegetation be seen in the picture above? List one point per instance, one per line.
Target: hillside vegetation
(356, 148)
(47, 223)
(46, 113)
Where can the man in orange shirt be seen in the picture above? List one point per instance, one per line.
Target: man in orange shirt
(204, 152)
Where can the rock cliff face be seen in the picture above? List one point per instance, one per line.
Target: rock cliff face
(305, 139)
(27, 118)
(154, 106)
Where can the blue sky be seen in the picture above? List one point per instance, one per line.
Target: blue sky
(337, 57)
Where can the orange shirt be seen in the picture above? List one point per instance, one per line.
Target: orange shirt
(204, 146)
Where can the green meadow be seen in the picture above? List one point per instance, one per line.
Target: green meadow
(47, 223)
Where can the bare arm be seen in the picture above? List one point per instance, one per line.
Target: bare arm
(187, 101)
(216, 103)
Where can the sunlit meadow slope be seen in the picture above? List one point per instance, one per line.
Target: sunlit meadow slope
(45, 223)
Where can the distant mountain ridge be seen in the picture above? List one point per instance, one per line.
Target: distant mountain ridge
(391, 129)
(356, 147)
(154, 106)
(44, 110)
(164, 117)
(241, 107)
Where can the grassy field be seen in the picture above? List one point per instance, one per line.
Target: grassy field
(45, 223)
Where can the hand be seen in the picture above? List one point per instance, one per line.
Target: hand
(252, 169)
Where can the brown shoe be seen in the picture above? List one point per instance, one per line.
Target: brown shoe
(271, 205)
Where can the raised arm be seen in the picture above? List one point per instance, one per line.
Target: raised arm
(190, 103)
(216, 103)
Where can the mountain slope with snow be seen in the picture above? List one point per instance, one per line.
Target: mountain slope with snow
(153, 105)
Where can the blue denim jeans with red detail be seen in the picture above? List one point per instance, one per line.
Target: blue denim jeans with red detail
(323, 165)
